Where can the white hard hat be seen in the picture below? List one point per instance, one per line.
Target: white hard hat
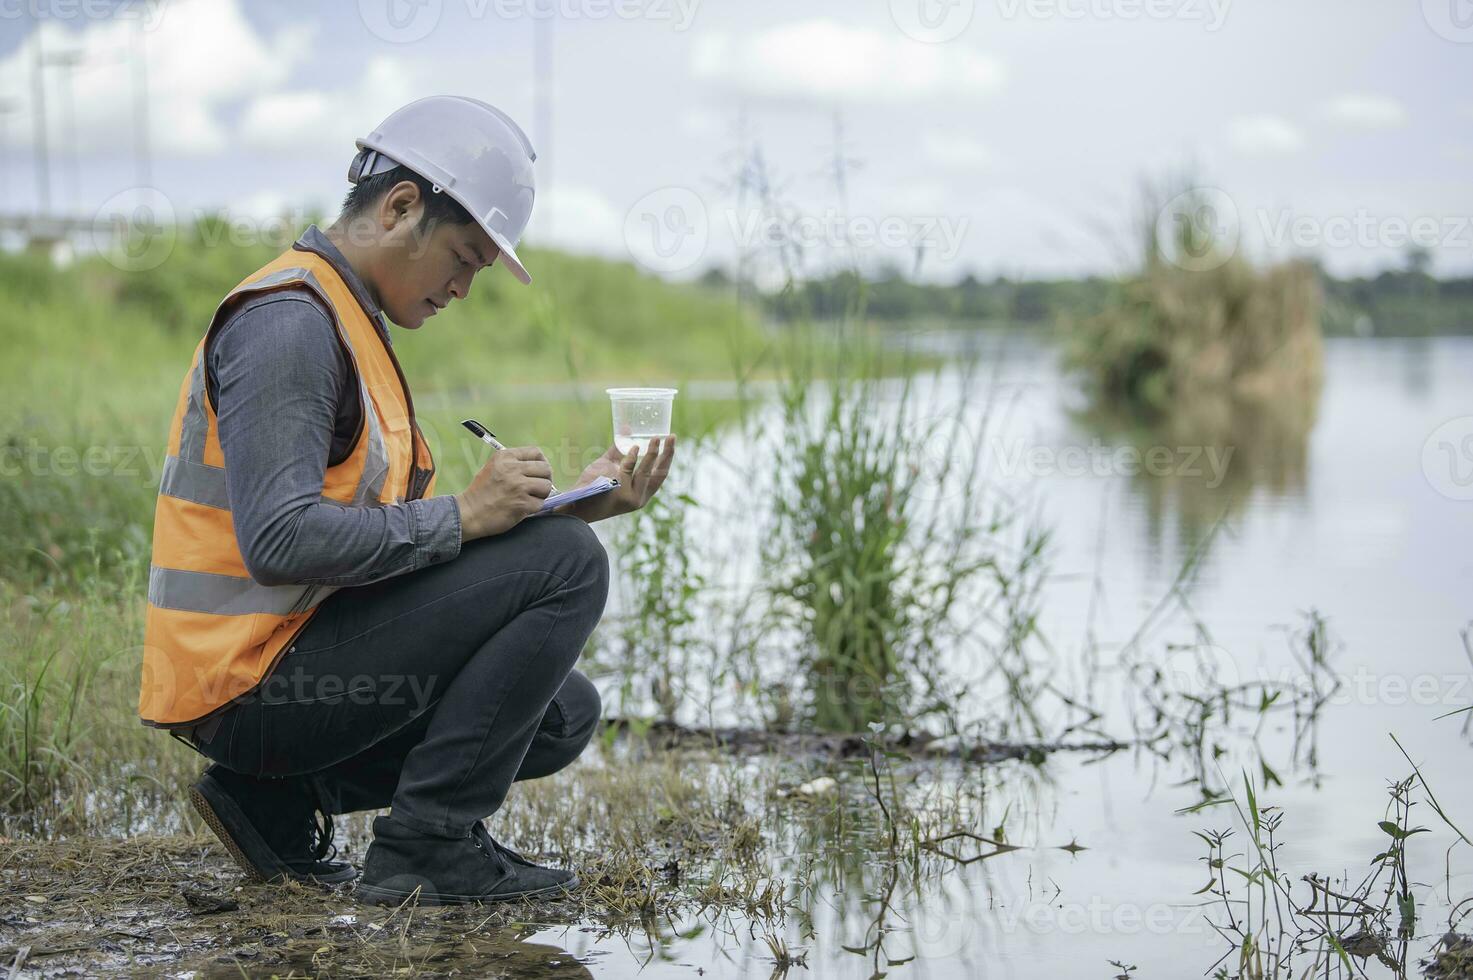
(468, 149)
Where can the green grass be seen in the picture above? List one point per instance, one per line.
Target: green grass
(94, 359)
(881, 534)
(95, 354)
(89, 334)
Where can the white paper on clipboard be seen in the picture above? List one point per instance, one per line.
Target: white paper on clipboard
(602, 485)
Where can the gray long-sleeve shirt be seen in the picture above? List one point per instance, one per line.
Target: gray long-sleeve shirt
(287, 399)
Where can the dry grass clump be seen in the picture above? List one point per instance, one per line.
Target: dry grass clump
(1451, 960)
(1197, 317)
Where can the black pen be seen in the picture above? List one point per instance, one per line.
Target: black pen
(487, 436)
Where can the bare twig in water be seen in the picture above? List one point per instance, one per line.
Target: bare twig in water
(918, 745)
(998, 847)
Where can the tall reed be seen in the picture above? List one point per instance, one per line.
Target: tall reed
(879, 534)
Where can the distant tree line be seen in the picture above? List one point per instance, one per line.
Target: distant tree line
(1399, 302)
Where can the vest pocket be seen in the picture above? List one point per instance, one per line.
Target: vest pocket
(392, 410)
(393, 414)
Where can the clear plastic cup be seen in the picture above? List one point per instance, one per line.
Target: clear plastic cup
(640, 414)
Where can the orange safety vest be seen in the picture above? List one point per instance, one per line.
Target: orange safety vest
(213, 633)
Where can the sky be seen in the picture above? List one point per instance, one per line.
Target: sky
(990, 137)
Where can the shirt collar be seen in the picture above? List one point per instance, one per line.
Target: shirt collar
(313, 240)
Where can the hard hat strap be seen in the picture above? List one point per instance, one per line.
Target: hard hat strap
(369, 163)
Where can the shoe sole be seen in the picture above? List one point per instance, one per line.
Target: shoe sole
(211, 805)
(376, 895)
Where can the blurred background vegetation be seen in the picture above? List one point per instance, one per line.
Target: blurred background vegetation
(1406, 302)
(866, 573)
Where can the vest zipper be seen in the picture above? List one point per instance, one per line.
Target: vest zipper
(414, 485)
(418, 479)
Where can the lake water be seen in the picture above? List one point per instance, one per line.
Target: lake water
(1353, 511)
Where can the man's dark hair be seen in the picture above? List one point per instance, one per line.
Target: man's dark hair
(438, 207)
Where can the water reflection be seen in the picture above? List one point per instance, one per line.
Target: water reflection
(1215, 450)
(1366, 542)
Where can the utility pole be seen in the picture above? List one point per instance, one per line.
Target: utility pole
(542, 82)
(7, 106)
(38, 117)
(68, 61)
(140, 106)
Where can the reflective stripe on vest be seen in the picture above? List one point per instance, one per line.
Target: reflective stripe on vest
(228, 595)
(212, 631)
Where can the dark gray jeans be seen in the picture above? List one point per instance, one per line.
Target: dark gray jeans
(431, 692)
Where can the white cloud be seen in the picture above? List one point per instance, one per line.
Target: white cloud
(918, 199)
(1264, 135)
(577, 218)
(1366, 111)
(956, 151)
(823, 60)
(202, 56)
(282, 119)
(701, 124)
(262, 204)
(328, 120)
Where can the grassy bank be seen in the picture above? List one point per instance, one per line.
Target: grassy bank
(95, 337)
(887, 591)
(95, 353)
(94, 357)
(99, 352)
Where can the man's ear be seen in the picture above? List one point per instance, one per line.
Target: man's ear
(402, 203)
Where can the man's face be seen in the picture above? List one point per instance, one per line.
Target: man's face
(429, 267)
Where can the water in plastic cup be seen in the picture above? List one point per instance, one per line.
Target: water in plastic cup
(640, 414)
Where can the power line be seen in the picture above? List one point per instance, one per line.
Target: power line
(68, 61)
(143, 161)
(542, 95)
(38, 117)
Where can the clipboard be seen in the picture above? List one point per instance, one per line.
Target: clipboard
(600, 486)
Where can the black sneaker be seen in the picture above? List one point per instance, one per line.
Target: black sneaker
(403, 864)
(270, 827)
